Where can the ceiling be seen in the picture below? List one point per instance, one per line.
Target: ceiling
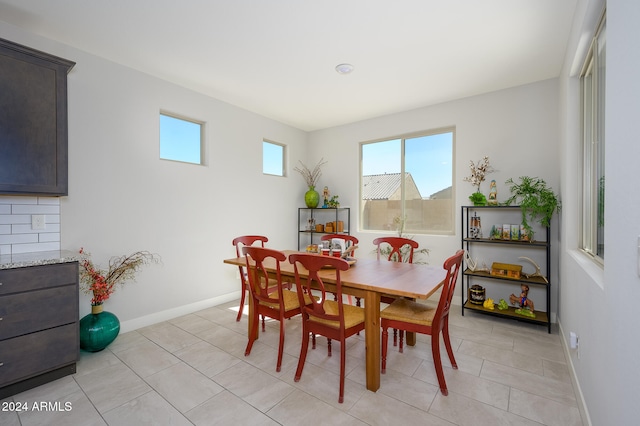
(277, 58)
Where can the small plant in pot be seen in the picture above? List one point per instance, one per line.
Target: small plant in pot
(479, 172)
(537, 201)
(478, 199)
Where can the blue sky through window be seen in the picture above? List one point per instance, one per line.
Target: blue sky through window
(272, 159)
(427, 158)
(180, 140)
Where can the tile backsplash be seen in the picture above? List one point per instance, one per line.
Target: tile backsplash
(16, 233)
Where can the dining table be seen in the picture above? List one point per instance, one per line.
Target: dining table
(369, 278)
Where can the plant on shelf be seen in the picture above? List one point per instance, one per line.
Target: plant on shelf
(479, 172)
(478, 199)
(333, 203)
(404, 251)
(537, 201)
(311, 197)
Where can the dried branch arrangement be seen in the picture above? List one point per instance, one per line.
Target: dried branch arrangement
(310, 176)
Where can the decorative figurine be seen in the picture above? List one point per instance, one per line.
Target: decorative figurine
(325, 195)
(526, 304)
(473, 264)
(493, 194)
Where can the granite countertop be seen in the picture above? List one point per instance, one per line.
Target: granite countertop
(22, 260)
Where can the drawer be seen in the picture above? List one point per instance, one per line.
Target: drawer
(36, 353)
(24, 313)
(37, 277)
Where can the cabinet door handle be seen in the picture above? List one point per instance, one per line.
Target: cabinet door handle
(1, 364)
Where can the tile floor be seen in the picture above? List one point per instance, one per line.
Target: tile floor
(192, 371)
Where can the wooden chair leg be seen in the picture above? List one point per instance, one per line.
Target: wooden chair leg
(329, 346)
(385, 339)
(303, 354)
(437, 362)
(280, 346)
(263, 328)
(400, 349)
(343, 361)
(447, 344)
(395, 337)
(252, 334)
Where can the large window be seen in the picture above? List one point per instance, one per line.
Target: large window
(407, 183)
(181, 139)
(593, 104)
(273, 158)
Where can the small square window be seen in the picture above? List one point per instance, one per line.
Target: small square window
(180, 139)
(272, 158)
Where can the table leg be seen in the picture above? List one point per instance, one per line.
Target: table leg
(372, 339)
(410, 338)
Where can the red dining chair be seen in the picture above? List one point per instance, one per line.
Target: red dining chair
(351, 242)
(278, 304)
(395, 251)
(404, 314)
(330, 318)
(239, 242)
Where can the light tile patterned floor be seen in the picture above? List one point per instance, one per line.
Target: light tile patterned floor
(192, 371)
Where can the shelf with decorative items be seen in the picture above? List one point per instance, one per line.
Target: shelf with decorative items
(509, 290)
(313, 223)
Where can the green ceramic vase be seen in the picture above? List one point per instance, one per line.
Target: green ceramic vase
(312, 198)
(98, 329)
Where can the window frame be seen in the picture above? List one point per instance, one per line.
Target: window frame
(283, 159)
(403, 138)
(202, 138)
(592, 93)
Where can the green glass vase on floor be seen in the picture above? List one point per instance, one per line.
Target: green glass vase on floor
(98, 329)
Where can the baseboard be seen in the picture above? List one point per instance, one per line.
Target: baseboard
(168, 314)
(582, 405)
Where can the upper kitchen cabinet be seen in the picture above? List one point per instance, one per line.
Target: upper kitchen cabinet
(33, 121)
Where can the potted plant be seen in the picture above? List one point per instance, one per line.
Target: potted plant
(478, 199)
(537, 201)
(311, 197)
(478, 175)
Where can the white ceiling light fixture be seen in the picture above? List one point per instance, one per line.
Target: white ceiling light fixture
(344, 68)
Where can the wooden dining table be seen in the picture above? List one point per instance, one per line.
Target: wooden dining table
(368, 279)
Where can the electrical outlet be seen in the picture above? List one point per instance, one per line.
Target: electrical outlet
(38, 222)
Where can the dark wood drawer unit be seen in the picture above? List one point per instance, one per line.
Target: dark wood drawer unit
(39, 339)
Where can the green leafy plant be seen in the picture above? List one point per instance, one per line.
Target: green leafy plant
(478, 199)
(537, 201)
(333, 202)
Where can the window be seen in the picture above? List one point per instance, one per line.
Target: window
(593, 181)
(181, 139)
(272, 158)
(407, 184)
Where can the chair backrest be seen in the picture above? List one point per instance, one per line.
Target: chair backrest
(259, 277)
(243, 241)
(396, 244)
(452, 266)
(314, 263)
(350, 239)
(247, 240)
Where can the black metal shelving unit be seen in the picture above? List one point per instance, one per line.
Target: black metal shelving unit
(321, 216)
(474, 245)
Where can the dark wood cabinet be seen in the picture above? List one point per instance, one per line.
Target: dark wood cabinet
(39, 336)
(33, 121)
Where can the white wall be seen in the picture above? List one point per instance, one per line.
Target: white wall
(517, 128)
(601, 305)
(122, 198)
